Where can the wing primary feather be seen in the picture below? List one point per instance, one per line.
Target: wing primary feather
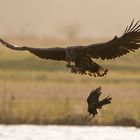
(14, 47)
(130, 26)
(135, 27)
(118, 46)
(125, 30)
(98, 90)
(94, 95)
(45, 53)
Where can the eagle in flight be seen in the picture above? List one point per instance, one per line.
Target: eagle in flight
(94, 103)
(80, 59)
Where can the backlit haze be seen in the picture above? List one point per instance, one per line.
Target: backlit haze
(90, 18)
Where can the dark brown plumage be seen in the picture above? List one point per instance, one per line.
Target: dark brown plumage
(94, 103)
(80, 58)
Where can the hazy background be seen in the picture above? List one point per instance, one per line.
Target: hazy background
(92, 18)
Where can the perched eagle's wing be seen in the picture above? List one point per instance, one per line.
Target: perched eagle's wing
(129, 41)
(94, 96)
(46, 53)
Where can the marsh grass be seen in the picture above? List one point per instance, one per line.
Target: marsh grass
(35, 91)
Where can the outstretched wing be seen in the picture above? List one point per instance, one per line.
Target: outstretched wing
(105, 101)
(45, 53)
(94, 96)
(129, 41)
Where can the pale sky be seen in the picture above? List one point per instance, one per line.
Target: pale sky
(94, 18)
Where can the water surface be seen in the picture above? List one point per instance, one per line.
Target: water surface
(33, 132)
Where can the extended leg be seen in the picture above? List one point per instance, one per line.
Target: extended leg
(87, 116)
(92, 117)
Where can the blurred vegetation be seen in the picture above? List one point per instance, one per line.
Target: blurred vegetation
(36, 91)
